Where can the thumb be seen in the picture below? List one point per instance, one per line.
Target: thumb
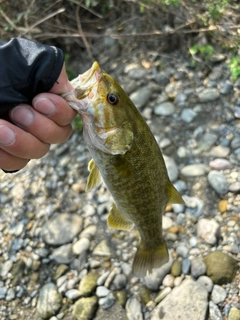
(62, 84)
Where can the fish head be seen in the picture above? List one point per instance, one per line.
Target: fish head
(105, 110)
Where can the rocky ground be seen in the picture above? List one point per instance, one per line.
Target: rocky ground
(59, 260)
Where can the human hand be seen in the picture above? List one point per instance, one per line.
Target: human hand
(35, 127)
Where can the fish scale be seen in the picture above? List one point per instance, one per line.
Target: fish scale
(128, 159)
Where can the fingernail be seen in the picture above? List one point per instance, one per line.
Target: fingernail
(22, 115)
(7, 136)
(45, 106)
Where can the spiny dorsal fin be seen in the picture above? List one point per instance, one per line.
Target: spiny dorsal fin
(94, 178)
(173, 195)
(117, 220)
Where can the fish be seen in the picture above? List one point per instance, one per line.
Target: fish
(126, 156)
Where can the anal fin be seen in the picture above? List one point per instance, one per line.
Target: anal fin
(173, 195)
(117, 220)
(94, 178)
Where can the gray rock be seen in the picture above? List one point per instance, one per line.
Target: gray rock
(161, 79)
(194, 170)
(73, 294)
(119, 282)
(207, 141)
(85, 308)
(172, 168)
(235, 143)
(174, 306)
(206, 282)
(226, 88)
(107, 302)
(182, 250)
(141, 97)
(49, 301)
(218, 294)
(208, 230)
(236, 111)
(133, 309)
(188, 115)
(220, 151)
(5, 268)
(186, 265)
(195, 204)
(81, 245)
(107, 314)
(218, 182)
(164, 109)
(208, 95)
(62, 229)
(63, 254)
(198, 267)
(221, 268)
(234, 187)
(168, 281)
(102, 291)
(10, 294)
(137, 73)
(3, 292)
(214, 312)
(220, 164)
(102, 249)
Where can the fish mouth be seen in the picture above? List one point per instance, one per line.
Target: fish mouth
(85, 88)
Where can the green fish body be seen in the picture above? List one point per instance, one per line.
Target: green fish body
(128, 159)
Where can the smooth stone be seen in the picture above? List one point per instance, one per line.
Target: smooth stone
(172, 168)
(218, 294)
(134, 309)
(107, 314)
(73, 294)
(166, 222)
(195, 204)
(154, 280)
(174, 306)
(234, 187)
(61, 270)
(3, 292)
(198, 267)
(220, 152)
(137, 73)
(88, 284)
(89, 232)
(107, 302)
(194, 170)
(222, 205)
(208, 230)
(234, 314)
(161, 79)
(81, 245)
(85, 308)
(168, 281)
(141, 97)
(10, 294)
(164, 109)
(49, 301)
(208, 95)
(206, 282)
(214, 312)
(193, 242)
(162, 294)
(221, 267)
(102, 291)
(176, 269)
(62, 229)
(218, 182)
(220, 164)
(102, 249)
(188, 115)
(121, 297)
(236, 111)
(235, 143)
(182, 250)
(63, 254)
(186, 265)
(5, 268)
(226, 88)
(178, 208)
(182, 152)
(144, 294)
(207, 141)
(119, 282)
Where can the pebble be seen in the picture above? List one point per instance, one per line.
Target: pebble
(6, 268)
(3, 292)
(81, 245)
(134, 309)
(186, 265)
(188, 115)
(164, 109)
(168, 281)
(226, 88)
(119, 282)
(234, 314)
(206, 282)
(194, 170)
(171, 168)
(49, 301)
(141, 97)
(218, 182)
(102, 291)
(208, 230)
(88, 284)
(73, 294)
(62, 229)
(236, 111)
(162, 294)
(207, 141)
(107, 301)
(166, 222)
(182, 251)
(220, 164)
(63, 254)
(208, 95)
(174, 305)
(218, 294)
(102, 249)
(214, 312)
(198, 268)
(176, 269)
(85, 308)
(220, 152)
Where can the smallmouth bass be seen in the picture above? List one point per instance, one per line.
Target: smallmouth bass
(128, 159)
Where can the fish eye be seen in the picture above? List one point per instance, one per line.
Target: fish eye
(112, 98)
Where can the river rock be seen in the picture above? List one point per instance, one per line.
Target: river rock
(220, 164)
(218, 294)
(174, 306)
(194, 170)
(214, 312)
(49, 301)
(206, 282)
(141, 97)
(134, 309)
(164, 109)
(198, 267)
(218, 182)
(208, 230)
(63, 254)
(85, 308)
(107, 314)
(234, 314)
(221, 267)
(88, 284)
(62, 229)
(208, 95)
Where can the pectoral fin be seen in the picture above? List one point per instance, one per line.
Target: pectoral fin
(173, 195)
(117, 220)
(94, 178)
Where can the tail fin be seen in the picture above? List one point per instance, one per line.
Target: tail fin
(147, 259)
